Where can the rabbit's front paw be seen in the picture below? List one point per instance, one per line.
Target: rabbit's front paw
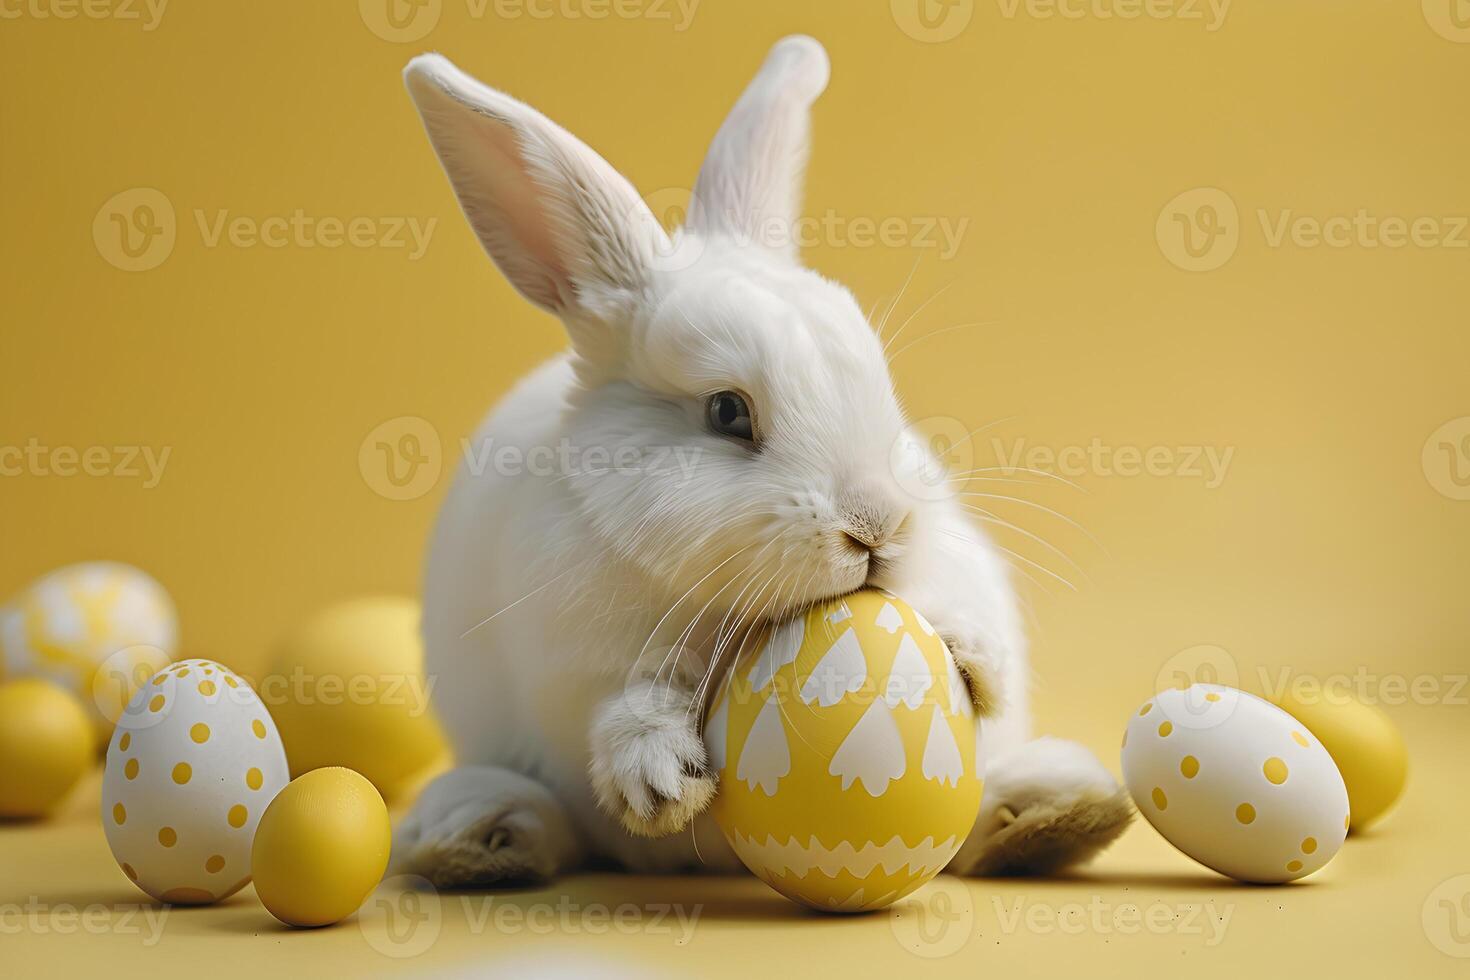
(652, 777)
(978, 669)
(655, 783)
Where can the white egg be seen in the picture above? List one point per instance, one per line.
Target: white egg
(98, 629)
(192, 765)
(1235, 783)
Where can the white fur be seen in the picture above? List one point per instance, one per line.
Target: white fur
(575, 621)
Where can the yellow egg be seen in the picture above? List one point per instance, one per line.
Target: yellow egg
(46, 744)
(1362, 740)
(848, 755)
(347, 689)
(99, 629)
(321, 847)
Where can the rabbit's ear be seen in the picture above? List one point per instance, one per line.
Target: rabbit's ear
(567, 229)
(750, 184)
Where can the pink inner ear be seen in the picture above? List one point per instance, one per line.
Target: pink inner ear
(518, 199)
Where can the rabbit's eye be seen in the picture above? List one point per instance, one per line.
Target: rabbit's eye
(729, 415)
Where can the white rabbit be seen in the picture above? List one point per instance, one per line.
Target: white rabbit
(714, 452)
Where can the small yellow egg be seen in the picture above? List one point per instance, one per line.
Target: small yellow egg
(321, 847)
(46, 744)
(352, 693)
(1362, 740)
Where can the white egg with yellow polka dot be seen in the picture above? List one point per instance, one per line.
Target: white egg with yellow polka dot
(1235, 783)
(193, 763)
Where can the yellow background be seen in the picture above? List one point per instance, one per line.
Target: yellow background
(1327, 548)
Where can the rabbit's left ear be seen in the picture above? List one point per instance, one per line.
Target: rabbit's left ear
(567, 229)
(749, 187)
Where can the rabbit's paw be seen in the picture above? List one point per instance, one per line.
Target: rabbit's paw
(650, 773)
(1049, 805)
(978, 669)
(481, 826)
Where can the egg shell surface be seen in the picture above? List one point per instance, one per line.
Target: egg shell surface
(847, 753)
(321, 847)
(1235, 783)
(1364, 742)
(192, 765)
(99, 629)
(46, 745)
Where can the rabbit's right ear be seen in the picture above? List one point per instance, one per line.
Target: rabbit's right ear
(749, 187)
(567, 229)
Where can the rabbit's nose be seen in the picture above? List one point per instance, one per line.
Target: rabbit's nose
(869, 531)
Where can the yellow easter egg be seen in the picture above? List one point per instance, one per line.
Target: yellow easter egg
(848, 755)
(347, 688)
(46, 745)
(1364, 742)
(321, 847)
(98, 629)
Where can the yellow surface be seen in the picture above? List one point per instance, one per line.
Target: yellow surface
(1332, 376)
(1374, 911)
(849, 762)
(321, 847)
